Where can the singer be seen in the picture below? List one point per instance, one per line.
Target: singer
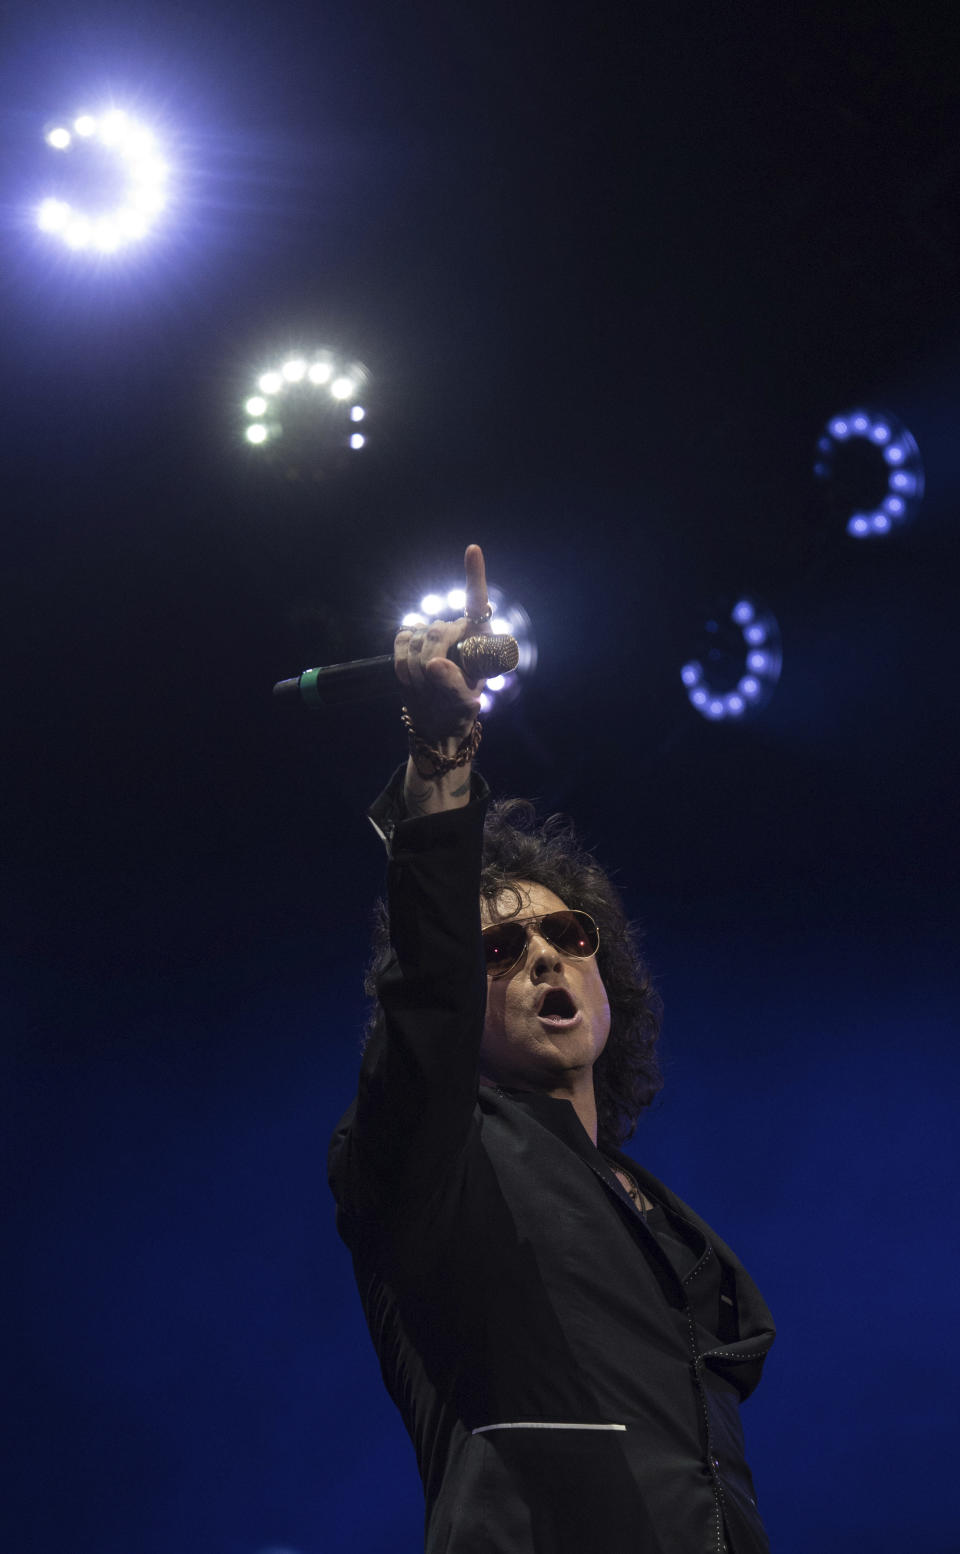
(567, 1342)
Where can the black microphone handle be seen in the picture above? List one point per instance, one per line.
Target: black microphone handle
(361, 678)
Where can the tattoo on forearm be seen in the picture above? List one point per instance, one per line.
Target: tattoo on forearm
(418, 798)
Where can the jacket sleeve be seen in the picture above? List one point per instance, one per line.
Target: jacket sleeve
(413, 1113)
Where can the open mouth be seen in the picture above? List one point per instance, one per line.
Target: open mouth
(557, 1007)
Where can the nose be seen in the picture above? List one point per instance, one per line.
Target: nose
(542, 956)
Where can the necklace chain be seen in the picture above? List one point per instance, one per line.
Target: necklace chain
(633, 1188)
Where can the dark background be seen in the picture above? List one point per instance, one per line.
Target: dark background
(611, 269)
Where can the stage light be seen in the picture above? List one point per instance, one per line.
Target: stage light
(314, 426)
(257, 433)
(113, 127)
(106, 236)
(76, 233)
(132, 222)
(510, 619)
(727, 677)
(873, 468)
(53, 215)
(109, 231)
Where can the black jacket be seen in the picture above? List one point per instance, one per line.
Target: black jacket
(566, 1391)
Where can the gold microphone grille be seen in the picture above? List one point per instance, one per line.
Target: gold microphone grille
(483, 657)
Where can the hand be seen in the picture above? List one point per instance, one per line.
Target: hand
(443, 704)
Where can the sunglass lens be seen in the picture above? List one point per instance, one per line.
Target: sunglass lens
(504, 944)
(573, 933)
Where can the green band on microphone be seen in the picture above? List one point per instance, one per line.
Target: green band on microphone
(309, 689)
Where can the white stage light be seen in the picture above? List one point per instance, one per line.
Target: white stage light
(107, 236)
(77, 232)
(509, 619)
(113, 127)
(257, 433)
(132, 223)
(316, 428)
(107, 231)
(53, 215)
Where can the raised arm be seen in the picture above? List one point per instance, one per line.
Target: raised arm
(442, 705)
(413, 1114)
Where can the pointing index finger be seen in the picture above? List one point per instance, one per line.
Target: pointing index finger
(476, 581)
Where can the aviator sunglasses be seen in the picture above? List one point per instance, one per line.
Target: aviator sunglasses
(570, 932)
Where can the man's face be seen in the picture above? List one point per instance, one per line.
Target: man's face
(548, 1018)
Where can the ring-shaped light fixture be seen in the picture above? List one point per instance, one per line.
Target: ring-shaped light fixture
(319, 382)
(736, 666)
(889, 458)
(136, 150)
(509, 619)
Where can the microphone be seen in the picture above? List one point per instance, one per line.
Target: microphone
(480, 658)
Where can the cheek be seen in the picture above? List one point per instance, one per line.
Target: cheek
(498, 1015)
(600, 1004)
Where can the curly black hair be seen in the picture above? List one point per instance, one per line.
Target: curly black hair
(549, 853)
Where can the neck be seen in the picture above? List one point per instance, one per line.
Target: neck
(578, 1090)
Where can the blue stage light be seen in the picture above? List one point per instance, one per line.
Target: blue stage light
(884, 488)
(728, 676)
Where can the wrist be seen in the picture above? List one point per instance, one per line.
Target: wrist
(434, 758)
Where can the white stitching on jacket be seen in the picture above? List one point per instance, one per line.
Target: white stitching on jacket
(543, 1424)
